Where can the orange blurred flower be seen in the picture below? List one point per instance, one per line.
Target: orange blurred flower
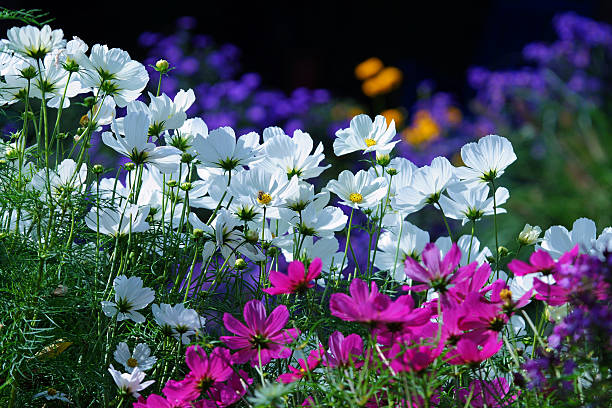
(423, 129)
(386, 80)
(394, 114)
(454, 115)
(368, 68)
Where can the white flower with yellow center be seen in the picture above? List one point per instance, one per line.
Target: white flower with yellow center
(261, 189)
(361, 190)
(141, 357)
(365, 135)
(178, 321)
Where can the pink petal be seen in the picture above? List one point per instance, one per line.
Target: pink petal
(235, 326)
(255, 315)
(314, 270)
(276, 321)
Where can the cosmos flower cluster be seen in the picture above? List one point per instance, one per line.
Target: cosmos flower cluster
(239, 204)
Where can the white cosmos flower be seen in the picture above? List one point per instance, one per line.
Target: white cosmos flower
(130, 296)
(261, 189)
(529, 235)
(65, 181)
(113, 72)
(222, 150)
(178, 321)
(225, 238)
(52, 394)
(130, 383)
(183, 137)
(487, 159)
(363, 134)
(558, 240)
(361, 190)
(428, 182)
(444, 245)
(135, 146)
(397, 244)
(316, 218)
(292, 154)
(33, 42)
(405, 170)
(126, 219)
(141, 357)
(469, 201)
(163, 112)
(55, 81)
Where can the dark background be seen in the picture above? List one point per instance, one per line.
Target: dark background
(318, 45)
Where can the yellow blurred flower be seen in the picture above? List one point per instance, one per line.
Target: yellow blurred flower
(368, 68)
(423, 129)
(454, 115)
(394, 114)
(387, 80)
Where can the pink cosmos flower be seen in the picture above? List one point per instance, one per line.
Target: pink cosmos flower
(374, 308)
(344, 350)
(226, 394)
(157, 401)
(206, 372)
(471, 352)
(481, 314)
(478, 277)
(263, 338)
(539, 261)
(416, 350)
(438, 273)
(494, 394)
(295, 374)
(297, 280)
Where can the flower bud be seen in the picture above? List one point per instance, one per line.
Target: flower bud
(12, 154)
(529, 235)
(251, 236)
(391, 171)
(129, 166)
(383, 160)
(90, 101)
(98, 168)
(503, 251)
(162, 66)
(186, 186)
(172, 183)
(198, 233)
(186, 158)
(240, 264)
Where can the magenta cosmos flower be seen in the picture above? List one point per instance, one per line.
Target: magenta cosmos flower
(263, 338)
(344, 351)
(373, 308)
(297, 280)
(438, 272)
(206, 372)
(295, 374)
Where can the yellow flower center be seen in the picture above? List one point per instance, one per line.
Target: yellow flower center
(51, 391)
(370, 142)
(302, 370)
(132, 362)
(263, 198)
(356, 198)
(505, 295)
